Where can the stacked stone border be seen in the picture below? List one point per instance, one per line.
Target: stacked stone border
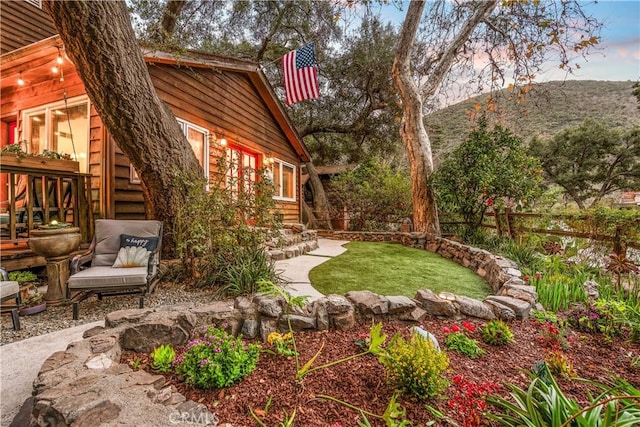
(86, 385)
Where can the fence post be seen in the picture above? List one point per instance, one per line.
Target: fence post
(496, 214)
(509, 224)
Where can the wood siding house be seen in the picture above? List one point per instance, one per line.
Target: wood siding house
(226, 107)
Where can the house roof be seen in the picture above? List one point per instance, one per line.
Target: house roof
(15, 62)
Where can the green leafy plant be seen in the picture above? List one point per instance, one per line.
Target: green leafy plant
(23, 276)
(163, 358)
(460, 342)
(559, 364)
(216, 360)
(283, 343)
(497, 332)
(415, 366)
(135, 363)
(544, 404)
(258, 413)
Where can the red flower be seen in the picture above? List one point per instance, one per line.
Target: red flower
(489, 201)
(538, 275)
(455, 328)
(468, 326)
(527, 278)
(446, 330)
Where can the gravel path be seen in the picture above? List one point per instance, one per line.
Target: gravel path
(91, 310)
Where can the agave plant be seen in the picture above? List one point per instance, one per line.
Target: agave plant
(619, 264)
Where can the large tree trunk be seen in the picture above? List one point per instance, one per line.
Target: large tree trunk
(412, 131)
(101, 43)
(321, 206)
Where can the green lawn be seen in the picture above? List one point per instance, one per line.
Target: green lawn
(394, 269)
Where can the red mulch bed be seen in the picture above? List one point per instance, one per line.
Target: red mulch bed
(362, 381)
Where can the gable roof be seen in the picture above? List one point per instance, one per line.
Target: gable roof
(15, 62)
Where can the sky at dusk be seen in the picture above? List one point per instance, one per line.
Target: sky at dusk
(617, 57)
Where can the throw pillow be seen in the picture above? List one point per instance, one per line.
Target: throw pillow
(135, 251)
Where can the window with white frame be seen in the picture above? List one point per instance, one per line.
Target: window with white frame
(284, 180)
(198, 138)
(60, 127)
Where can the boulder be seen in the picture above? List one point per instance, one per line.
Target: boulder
(426, 335)
(367, 302)
(146, 336)
(416, 315)
(337, 304)
(434, 305)
(474, 308)
(298, 322)
(501, 311)
(215, 312)
(523, 292)
(269, 306)
(119, 317)
(343, 321)
(250, 328)
(400, 304)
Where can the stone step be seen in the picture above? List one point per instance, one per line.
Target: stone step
(293, 250)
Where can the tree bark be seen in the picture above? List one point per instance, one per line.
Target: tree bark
(321, 206)
(412, 131)
(169, 19)
(101, 43)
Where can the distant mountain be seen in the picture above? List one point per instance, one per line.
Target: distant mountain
(548, 108)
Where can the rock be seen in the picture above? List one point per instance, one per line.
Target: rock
(343, 321)
(250, 328)
(591, 290)
(102, 343)
(96, 330)
(102, 413)
(501, 311)
(242, 303)
(277, 255)
(513, 272)
(416, 315)
(145, 378)
(266, 327)
(523, 292)
(269, 305)
(337, 304)
(514, 281)
(119, 317)
(426, 335)
(145, 337)
(474, 308)
(102, 361)
(298, 322)
(521, 308)
(434, 305)
(215, 312)
(321, 314)
(400, 304)
(367, 302)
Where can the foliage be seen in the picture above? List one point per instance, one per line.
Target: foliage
(591, 160)
(374, 194)
(497, 332)
(216, 360)
(393, 416)
(545, 405)
(552, 335)
(489, 170)
(619, 265)
(286, 422)
(283, 343)
(522, 254)
(559, 363)
(22, 276)
(163, 358)
(468, 401)
(219, 234)
(415, 366)
(460, 342)
(604, 316)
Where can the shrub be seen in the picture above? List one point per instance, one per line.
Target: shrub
(217, 360)
(496, 332)
(415, 366)
(283, 343)
(604, 316)
(460, 342)
(559, 364)
(163, 358)
(22, 276)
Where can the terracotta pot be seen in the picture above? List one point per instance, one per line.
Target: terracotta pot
(54, 242)
(38, 308)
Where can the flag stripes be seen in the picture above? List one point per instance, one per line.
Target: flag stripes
(300, 75)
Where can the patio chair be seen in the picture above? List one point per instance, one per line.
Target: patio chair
(9, 290)
(124, 256)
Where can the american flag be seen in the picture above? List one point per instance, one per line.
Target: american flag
(300, 75)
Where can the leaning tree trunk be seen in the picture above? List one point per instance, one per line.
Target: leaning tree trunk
(412, 131)
(101, 43)
(321, 204)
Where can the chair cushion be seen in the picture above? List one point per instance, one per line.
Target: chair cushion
(8, 288)
(135, 251)
(102, 277)
(107, 237)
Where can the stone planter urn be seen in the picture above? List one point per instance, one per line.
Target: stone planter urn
(55, 245)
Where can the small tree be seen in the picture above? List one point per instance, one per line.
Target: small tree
(491, 168)
(591, 160)
(374, 194)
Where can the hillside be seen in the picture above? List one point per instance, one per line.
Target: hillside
(548, 109)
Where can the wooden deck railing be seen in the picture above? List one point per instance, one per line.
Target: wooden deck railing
(39, 191)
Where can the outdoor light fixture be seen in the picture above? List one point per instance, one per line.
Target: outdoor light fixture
(54, 69)
(223, 142)
(20, 81)
(59, 59)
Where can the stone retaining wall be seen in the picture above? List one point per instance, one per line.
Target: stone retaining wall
(85, 385)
